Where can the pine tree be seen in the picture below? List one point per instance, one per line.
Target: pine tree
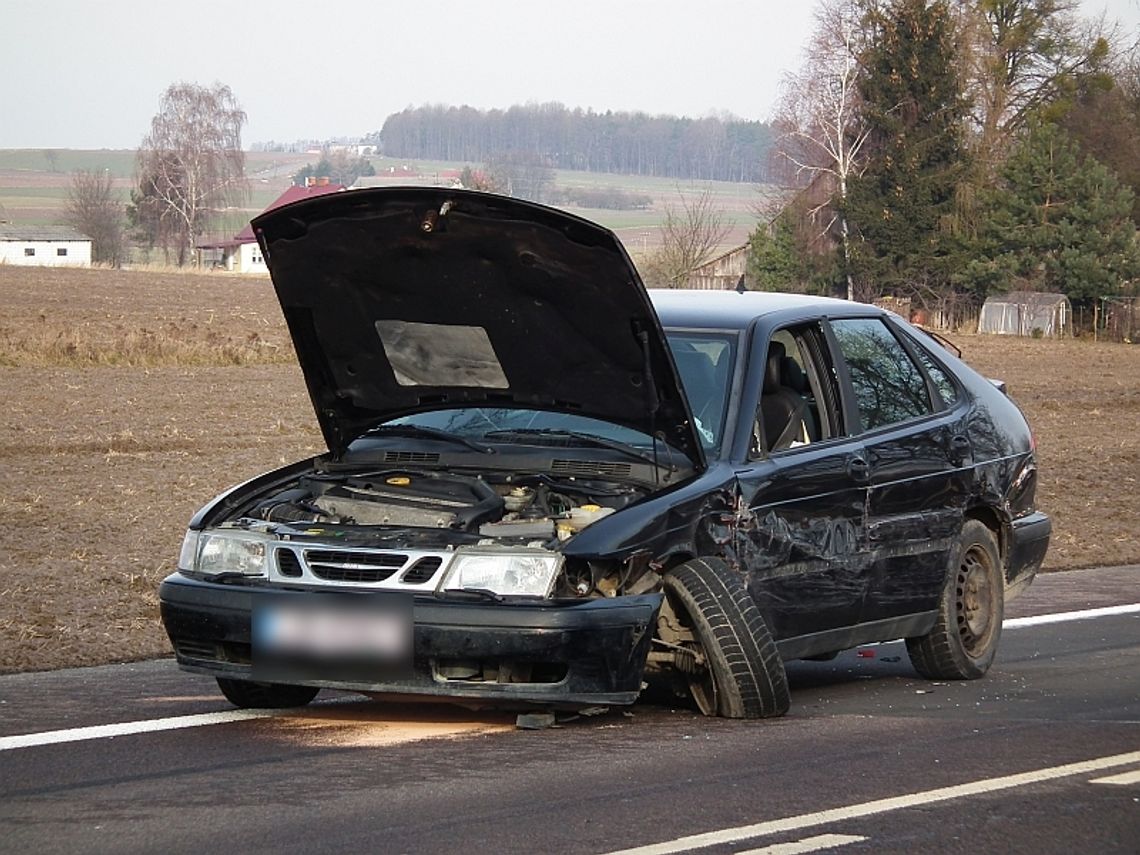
(903, 205)
(1058, 223)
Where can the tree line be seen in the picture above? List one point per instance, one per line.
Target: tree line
(707, 149)
(944, 150)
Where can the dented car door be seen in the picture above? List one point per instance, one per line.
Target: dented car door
(802, 533)
(917, 462)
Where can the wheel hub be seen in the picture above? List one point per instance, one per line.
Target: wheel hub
(975, 599)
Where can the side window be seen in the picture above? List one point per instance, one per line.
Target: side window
(888, 386)
(941, 380)
(798, 400)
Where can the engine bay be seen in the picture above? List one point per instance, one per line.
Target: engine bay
(517, 508)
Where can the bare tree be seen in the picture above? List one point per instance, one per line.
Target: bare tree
(690, 234)
(52, 158)
(822, 134)
(93, 208)
(191, 163)
(1020, 56)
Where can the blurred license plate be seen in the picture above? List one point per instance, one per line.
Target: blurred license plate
(352, 638)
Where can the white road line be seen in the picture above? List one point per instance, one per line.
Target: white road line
(1040, 620)
(1062, 617)
(808, 844)
(104, 731)
(856, 811)
(1123, 779)
(128, 728)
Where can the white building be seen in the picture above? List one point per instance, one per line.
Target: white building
(44, 246)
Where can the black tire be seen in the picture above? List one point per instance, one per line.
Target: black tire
(964, 641)
(744, 677)
(272, 696)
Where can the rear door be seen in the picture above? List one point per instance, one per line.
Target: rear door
(909, 415)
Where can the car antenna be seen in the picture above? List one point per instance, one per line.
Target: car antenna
(740, 286)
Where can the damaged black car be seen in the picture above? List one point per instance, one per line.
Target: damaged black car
(548, 487)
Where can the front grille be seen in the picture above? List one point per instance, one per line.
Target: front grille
(316, 563)
(353, 566)
(288, 563)
(590, 467)
(422, 571)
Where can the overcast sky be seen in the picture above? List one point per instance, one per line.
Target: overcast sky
(90, 73)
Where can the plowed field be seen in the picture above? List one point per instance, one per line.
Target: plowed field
(131, 398)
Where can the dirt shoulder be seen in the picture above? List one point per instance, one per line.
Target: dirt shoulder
(106, 459)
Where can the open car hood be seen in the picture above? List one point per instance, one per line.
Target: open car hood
(408, 299)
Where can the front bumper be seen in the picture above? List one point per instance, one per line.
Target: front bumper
(587, 652)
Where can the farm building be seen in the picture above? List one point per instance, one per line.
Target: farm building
(44, 246)
(1025, 312)
(722, 273)
(241, 254)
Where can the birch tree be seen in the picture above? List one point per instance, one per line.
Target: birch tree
(191, 162)
(822, 132)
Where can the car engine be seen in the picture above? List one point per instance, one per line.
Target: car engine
(530, 507)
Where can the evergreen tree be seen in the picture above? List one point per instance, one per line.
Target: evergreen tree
(774, 260)
(1104, 119)
(782, 257)
(1058, 223)
(903, 206)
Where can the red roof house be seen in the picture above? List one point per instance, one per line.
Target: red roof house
(241, 253)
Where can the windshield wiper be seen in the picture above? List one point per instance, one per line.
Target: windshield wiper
(589, 438)
(431, 433)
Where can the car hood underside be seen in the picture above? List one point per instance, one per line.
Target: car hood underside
(405, 300)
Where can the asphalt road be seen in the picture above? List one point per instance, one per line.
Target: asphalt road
(1042, 756)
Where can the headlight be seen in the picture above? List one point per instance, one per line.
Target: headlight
(189, 554)
(525, 573)
(229, 552)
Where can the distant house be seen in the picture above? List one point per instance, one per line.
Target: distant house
(44, 246)
(241, 254)
(722, 273)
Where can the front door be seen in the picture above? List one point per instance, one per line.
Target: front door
(800, 537)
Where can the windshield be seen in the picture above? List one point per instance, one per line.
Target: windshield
(704, 361)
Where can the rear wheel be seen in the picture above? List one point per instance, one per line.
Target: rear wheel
(964, 641)
(248, 694)
(720, 642)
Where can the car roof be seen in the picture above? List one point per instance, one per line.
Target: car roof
(679, 308)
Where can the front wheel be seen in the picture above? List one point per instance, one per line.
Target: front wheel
(964, 641)
(250, 695)
(721, 642)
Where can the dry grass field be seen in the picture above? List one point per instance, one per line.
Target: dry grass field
(131, 398)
